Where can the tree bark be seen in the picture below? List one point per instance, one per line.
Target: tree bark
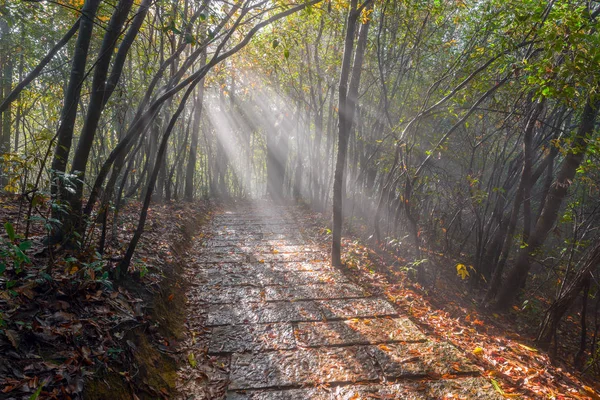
(523, 190)
(346, 106)
(565, 299)
(64, 135)
(518, 275)
(5, 88)
(192, 158)
(124, 265)
(97, 102)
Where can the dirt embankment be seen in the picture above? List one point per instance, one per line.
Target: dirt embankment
(149, 370)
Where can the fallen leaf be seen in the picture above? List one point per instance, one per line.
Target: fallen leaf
(13, 336)
(528, 348)
(192, 360)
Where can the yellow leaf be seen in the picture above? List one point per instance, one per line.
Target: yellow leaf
(192, 360)
(462, 271)
(477, 351)
(528, 348)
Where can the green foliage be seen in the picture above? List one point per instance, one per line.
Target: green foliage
(12, 251)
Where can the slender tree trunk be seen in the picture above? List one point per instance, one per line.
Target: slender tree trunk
(64, 135)
(124, 265)
(523, 190)
(6, 65)
(96, 105)
(518, 275)
(346, 106)
(192, 158)
(565, 299)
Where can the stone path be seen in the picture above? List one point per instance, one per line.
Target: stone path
(289, 326)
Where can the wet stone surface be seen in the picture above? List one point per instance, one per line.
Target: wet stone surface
(461, 388)
(263, 313)
(292, 327)
(420, 359)
(240, 338)
(228, 294)
(314, 291)
(352, 308)
(302, 366)
(357, 331)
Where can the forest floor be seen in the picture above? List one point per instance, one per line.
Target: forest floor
(269, 318)
(71, 332)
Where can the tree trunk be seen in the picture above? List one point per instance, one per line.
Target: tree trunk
(96, 105)
(124, 265)
(522, 190)
(346, 107)
(549, 215)
(5, 88)
(192, 159)
(566, 298)
(64, 135)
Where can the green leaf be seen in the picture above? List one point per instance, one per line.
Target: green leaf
(275, 43)
(46, 276)
(26, 245)
(497, 387)
(286, 54)
(10, 231)
(37, 393)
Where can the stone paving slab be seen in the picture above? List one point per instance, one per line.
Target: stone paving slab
(353, 308)
(236, 276)
(256, 236)
(303, 366)
(420, 359)
(312, 277)
(211, 258)
(241, 338)
(230, 249)
(234, 294)
(240, 257)
(262, 313)
(288, 230)
(292, 266)
(223, 242)
(290, 257)
(256, 225)
(225, 268)
(357, 331)
(228, 294)
(463, 388)
(344, 364)
(314, 292)
(259, 249)
(299, 311)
